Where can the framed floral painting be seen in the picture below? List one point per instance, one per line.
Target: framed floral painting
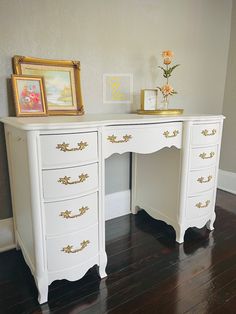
(29, 95)
(62, 82)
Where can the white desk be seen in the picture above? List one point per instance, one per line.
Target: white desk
(56, 167)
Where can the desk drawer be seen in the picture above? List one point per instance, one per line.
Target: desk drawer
(203, 157)
(141, 139)
(71, 215)
(201, 180)
(69, 182)
(203, 134)
(63, 150)
(72, 249)
(200, 206)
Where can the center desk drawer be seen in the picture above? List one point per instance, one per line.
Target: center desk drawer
(71, 215)
(141, 138)
(63, 150)
(69, 182)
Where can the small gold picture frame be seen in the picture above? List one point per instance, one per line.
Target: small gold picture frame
(29, 95)
(62, 82)
(149, 99)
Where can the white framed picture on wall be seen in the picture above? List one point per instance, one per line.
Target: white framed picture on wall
(118, 88)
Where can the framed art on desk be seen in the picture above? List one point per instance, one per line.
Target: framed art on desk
(62, 82)
(149, 99)
(29, 95)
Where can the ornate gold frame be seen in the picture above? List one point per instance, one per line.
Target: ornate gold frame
(18, 61)
(19, 113)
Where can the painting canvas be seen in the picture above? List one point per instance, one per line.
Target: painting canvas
(62, 82)
(58, 82)
(29, 95)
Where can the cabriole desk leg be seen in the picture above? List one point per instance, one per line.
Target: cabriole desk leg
(180, 231)
(210, 223)
(42, 285)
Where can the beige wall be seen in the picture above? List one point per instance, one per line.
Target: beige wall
(228, 152)
(125, 36)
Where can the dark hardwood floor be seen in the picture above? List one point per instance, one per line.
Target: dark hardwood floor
(147, 271)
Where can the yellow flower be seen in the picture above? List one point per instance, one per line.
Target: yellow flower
(167, 54)
(167, 90)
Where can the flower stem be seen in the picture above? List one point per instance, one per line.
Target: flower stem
(167, 79)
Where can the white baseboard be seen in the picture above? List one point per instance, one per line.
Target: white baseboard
(117, 204)
(7, 240)
(227, 181)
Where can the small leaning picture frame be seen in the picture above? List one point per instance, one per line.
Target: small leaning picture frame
(62, 82)
(29, 95)
(149, 99)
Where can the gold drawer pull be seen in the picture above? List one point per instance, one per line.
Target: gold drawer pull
(206, 132)
(201, 179)
(200, 205)
(64, 147)
(204, 155)
(69, 248)
(167, 134)
(112, 138)
(67, 213)
(66, 180)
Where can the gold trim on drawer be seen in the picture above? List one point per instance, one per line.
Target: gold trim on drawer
(174, 134)
(204, 155)
(66, 180)
(201, 205)
(69, 248)
(67, 213)
(202, 179)
(113, 139)
(64, 147)
(206, 132)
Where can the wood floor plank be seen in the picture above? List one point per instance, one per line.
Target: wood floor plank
(210, 302)
(173, 288)
(228, 306)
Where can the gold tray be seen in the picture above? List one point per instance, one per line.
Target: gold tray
(162, 112)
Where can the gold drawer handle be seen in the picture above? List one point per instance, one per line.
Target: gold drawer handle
(204, 155)
(200, 205)
(167, 134)
(67, 213)
(201, 179)
(206, 132)
(66, 180)
(69, 248)
(112, 138)
(64, 147)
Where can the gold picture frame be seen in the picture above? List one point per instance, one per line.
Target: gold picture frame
(29, 95)
(149, 99)
(62, 82)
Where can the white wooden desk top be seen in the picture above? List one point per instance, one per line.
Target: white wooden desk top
(93, 120)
